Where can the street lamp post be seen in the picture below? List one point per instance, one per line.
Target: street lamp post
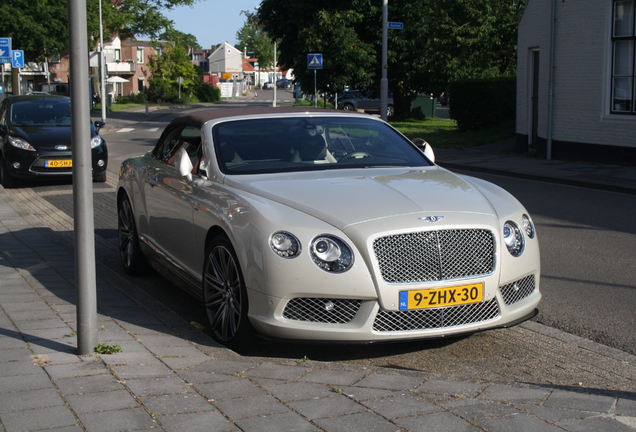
(102, 82)
(384, 82)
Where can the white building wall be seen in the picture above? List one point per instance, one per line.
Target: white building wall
(582, 67)
(534, 34)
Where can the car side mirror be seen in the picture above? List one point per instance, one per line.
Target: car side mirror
(99, 124)
(183, 164)
(425, 148)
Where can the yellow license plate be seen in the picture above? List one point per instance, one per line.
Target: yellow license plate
(451, 296)
(65, 163)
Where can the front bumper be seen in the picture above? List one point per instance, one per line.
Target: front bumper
(350, 320)
(32, 165)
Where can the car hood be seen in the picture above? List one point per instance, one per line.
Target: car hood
(44, 138)
(346, 197)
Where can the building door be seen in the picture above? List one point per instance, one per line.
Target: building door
(534, 100)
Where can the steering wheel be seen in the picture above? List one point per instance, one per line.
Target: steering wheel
(355, 155)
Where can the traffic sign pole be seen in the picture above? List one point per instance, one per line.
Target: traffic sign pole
(384, 82)
(314, 61)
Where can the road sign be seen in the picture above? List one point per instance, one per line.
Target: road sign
(5, 50)
(395, 25)
(17, 58)
(314, 61)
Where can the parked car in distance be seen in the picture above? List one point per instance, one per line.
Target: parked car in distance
(284, 83)
(268, 85)
(323, 225)
(35, 140)
(63, 89)
(367, 101)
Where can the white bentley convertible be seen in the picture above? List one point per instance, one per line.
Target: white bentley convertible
(324, 225)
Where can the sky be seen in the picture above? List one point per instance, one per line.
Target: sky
(212, 21)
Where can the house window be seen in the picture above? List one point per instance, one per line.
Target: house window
(624, 52)
(140, 55)
(117, 54)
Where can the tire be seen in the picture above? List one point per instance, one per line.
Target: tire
(348, 107)
(6, 179)
(225, 296)
(100, 178)
(132, 258)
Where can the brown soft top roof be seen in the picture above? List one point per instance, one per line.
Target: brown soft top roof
(198, 118)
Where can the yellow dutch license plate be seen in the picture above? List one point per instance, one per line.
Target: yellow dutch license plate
(451, 296)
(65, 163)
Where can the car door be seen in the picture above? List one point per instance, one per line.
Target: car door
(170, 196)
(369, 102)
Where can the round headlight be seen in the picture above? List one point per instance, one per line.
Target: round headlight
(513, 238)
(284, 244)
(331, 254)
(528, 226)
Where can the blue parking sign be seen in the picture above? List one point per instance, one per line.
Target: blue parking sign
(17, 58)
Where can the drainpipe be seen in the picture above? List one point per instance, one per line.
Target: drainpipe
(551, 81)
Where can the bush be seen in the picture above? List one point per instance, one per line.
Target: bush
(482, 103)
(162, 87)
(139, 98)
(206, 92)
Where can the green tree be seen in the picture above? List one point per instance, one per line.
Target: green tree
(442, 40)
(332, 27)
(185, 40)
(167, 68)
(40, 27)
(253, 38)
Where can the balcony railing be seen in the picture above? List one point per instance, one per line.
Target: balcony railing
(122, 66)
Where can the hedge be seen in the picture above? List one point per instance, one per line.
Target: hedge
(482, 103)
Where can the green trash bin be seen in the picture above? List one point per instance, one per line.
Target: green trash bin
(425, 105)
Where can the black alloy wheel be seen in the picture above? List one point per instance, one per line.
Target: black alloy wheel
(225, 295)
(132, 258)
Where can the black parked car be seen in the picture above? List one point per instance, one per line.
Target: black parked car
(35, 140)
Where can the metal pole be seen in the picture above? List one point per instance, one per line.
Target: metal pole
(315, 92)
(102, 66)
(384, 82)
(274, 74)
(85, 285)
(551, 82)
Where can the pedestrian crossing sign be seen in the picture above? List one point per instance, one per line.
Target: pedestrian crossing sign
(314, 61)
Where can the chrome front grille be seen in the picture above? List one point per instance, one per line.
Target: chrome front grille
(518, 290)
(424, 319)
(322, 310)
(427, 256)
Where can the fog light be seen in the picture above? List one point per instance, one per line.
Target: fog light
(16, 165)
(101, 163)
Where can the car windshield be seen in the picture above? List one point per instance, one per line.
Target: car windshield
(287, 144)
(41, 113)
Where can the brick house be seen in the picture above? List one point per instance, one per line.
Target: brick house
(127, 58)
(576, 79)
